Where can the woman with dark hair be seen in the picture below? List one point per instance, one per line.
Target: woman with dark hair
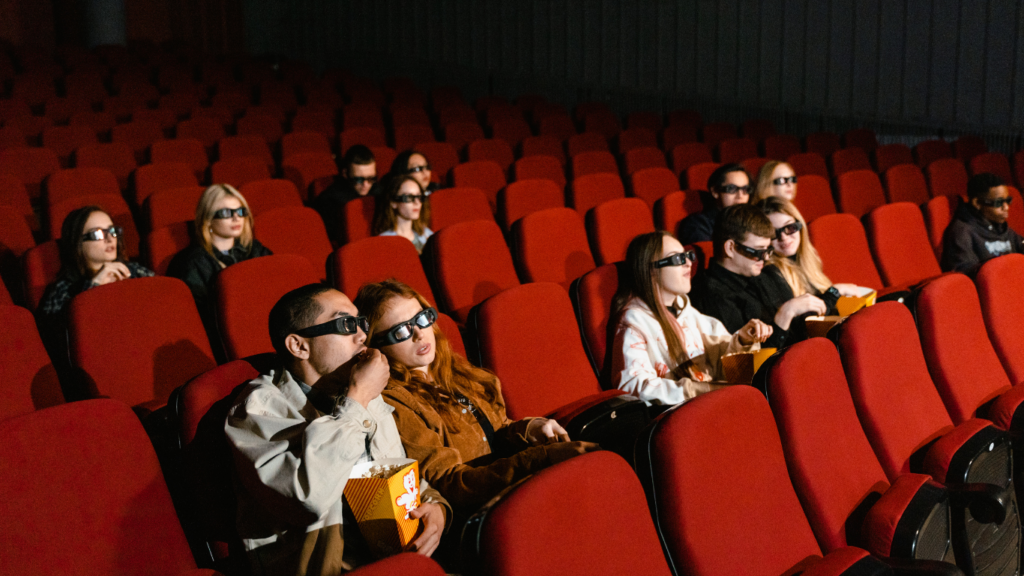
(91, 254)
(450, 414)
(415, 164)
(665, 351)
(403, 209)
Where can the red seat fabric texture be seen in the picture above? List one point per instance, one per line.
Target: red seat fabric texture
(843, 246)
(688, 154)
(578, 536)
(558, 372)
(187, 150)
(588, 191)
(929, 151)
(153, 178)
(641, 158)
(671, 209)
(592, 296)
(453, 205)
(612, 225)
(859, 191)
(295, 230)
(468, 263)
(41, 265)
(404, 563)
(808, 163)
(97, 457)
(891, 155)
(131, 350)
(248, 290)
(905, 183)
(736, 150)
(525, 197)
(312, 172)
(698, 174)
(899, 242)
(653, 184)
(947, 177)
(239, 171)
(375, 259)
(270, 194)
(30, 380)
(539, 166)
(486, 175)
(814, 197)
(117, 158)
(73, 182)
(551, 246)
(1004, 311)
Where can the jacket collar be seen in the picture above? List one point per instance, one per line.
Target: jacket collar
(968, 213)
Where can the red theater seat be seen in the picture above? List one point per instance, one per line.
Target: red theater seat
(558, 126)
(843, 246)
(163, 243)
(247, 291)
(781, 146)
(118, 158)
(674, 135)
(543, 146)
(75, 182)
(375, 259)
(993, 162)
(245, 146)
(821, 143)
(239, 171)
(809, 163)
(859, 192)
(715, 133)
(453, 205)
(928, 151)
(862, 138)
(442, 157)
(171, 206)
(653, 184)
(947, 177)
(586, 142)
(551, 246)
(938, 213)
(153, 178)
(357, 219)
(588, 191)
(532, 167)
(697, 175)
(65, 139)
(41, 265)
(1004, 311)
(187, 150)
(814, 197)
(312, 172)
(633, 138)
(849, 159)
(30, 165)
(483, 174)
(592, 295)
(525, 197)
(467, 263)
(598, 162)
(714, 472)
(113, 497)
(670, 210)
(689, 154)
(365, 135)
(736, 150)
(270, 194)
(496, 150)
(642, 158)
(260, 125)
(207, 130)
(612, 225)
(139, 136)
(885, 157)
(406, 137)
(304, 141)
(30, 381)
(458, 134)
(905, 183)
(511, 130)
(295, 230)
(579, 536)
(133, 351)
(899, 242)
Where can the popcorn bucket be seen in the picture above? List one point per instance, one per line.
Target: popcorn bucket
(818, 326)
(847, 305)
(740, 367)
(381, 494)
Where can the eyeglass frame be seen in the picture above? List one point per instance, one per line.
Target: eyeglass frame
(762, 255)
(783, 180)
(796, 226)
(112, 232)
(420, 168)
(360, 180)
(410, 198)
(677, 259)
(731, 189)
(343, 325)
(229, 213)
(999, 203)
(388, 338)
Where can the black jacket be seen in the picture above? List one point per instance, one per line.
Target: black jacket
(970, 240)
(698, 227)
(330, 203)
(736, 299)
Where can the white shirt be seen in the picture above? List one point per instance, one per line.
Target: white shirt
(642, 365)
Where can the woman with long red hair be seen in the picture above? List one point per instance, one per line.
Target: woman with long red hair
(450, 414)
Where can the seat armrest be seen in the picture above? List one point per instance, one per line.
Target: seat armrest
(913, 510)
(988, 503)
(904, 567)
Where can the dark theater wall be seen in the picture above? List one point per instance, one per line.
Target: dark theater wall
(907, 63)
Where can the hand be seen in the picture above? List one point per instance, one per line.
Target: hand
(369, 376)
(111, 272)
(754, 331)
(432, 516)
(798, 306)
(562, 451)
(545, 431)
(850, 290)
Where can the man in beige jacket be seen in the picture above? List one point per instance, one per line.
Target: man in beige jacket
(297, 432)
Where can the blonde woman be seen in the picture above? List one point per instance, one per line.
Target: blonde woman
(775, 179)
(403, 210)
(796, 257)
(223, 236)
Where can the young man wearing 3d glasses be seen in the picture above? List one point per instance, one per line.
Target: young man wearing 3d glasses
(297, 432)
(739, 284)
(979, 231)
(728, 185)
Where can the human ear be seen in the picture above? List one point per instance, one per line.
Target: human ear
(297, 346)
(729, 248)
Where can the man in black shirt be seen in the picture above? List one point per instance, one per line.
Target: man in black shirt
(728, 185)
(979, 231)
(738, 286)
(358, 177)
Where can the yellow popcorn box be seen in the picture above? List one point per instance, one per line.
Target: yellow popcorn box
(847, 305)
(740, 367)
(381, 494)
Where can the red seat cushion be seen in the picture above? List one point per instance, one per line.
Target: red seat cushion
(551, 246)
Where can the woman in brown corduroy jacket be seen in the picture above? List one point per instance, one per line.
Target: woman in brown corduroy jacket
(450, 414)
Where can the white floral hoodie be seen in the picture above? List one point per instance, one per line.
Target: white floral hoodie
(641, 364)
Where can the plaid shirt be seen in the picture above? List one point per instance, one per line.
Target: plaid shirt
(63, 289)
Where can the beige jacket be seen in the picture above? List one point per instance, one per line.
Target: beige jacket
(291, 465)
(642, 366)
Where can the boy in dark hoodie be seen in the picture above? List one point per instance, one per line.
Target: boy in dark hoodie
(979, 231)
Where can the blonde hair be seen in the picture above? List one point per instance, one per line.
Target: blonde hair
(803, 272)
(204, 216)
(763, 189)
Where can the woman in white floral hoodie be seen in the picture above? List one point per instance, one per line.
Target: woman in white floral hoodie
(665, 351)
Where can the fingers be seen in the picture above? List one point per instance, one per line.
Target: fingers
(557, 433)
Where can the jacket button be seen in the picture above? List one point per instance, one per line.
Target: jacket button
(366, 423)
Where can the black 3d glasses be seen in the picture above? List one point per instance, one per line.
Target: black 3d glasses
(676, 259)
(344, 325)
(226, 213)
(102, 233)
(788, 229)
(403, 331)
(764, 254)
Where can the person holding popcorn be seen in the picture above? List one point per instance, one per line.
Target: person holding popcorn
(297, 432)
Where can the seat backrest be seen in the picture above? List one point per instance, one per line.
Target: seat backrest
(968, 146)
(206, 130)
(951, 326)
(131, 350)
(862, 138)
(64, 139)
(736, 150)
(905, 183)
(117, 158)
(592, 296)
(641, 158)
(588, 191)
(757, 129)
(30, 165)
(404, 563)
(295, 230)
(123, 505)
(442, 157)
(938, 213)
(859, 191)
(714, 133)
(716, 475)
(551, 246)
(821, 143)
(586, 142)
(303, 141)
(814, 197)
(1004, 310)
(153, 178)
(460, 133)
(993, 162)
(357, 218)
(843, 246)
(633, 138)
(947, 177)
(243, 146)
(486, 175)
(493, 149)
(261, 125)
(613, 224)
(604, 123)
(781, 146)
(675, 134)
(674, 207)
(40, 265)
(687, 154)
(580, 536)
(30, 380)
(239, 171)
(653, 184)
(375, 259)
(807, 163)
(171, 206)
(73, 182)
(891, 155)
(163, 243)
(898, 405)
(543, 145)
(539, 166)
(527, 196)
(467, 263)
(594, 162)
(247, 291)
(697, 175)
(558, 372)
(928, 151)
(187, 150)
(311, 172)
(407, 137)
(900, 245)
(270, 194)
(453, 205)
(830, 459)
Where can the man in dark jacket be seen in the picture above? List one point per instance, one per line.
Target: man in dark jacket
(728, 185)
(979, 231)
(358, 178)
(739, 286)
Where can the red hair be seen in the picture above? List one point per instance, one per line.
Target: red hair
(448, 376)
